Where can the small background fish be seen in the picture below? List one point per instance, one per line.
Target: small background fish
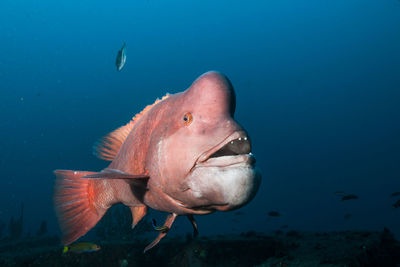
(121, 58)
(349, 197)
(274, 214)
(81, 247)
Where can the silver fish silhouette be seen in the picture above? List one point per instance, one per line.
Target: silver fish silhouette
(121, 58)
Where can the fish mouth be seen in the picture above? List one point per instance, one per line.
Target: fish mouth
(224, 178)
(234, 149)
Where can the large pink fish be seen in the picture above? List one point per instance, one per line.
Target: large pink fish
(184, 155)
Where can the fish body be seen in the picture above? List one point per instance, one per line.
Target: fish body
(121, 58)
(396, 204)
(163, 228)
(395, 194)
(184, 155)
(347, 216)
(274, 214)
(349, 197)
(339, 193)
(82, 247)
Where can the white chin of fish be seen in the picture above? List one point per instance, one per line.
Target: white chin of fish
(234, 185)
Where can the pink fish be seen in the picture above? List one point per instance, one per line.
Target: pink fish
(184, 155)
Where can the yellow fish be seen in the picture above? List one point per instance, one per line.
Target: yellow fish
(162, 229)
(81, 247)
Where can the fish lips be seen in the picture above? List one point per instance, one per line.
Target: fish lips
(228, 161)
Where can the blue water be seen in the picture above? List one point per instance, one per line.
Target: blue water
(317, 85)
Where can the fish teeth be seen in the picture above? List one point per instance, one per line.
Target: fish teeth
(244, 138)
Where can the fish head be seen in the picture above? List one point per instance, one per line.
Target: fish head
(204, 156)
(95, 247)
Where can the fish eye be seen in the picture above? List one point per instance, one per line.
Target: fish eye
(187, 118)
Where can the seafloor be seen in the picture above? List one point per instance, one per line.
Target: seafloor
(290, 248)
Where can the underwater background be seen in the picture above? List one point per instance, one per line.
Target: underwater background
(317, 85)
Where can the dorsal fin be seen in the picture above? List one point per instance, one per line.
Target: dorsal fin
(108, 146)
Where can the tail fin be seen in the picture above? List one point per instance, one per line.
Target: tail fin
(75, 203)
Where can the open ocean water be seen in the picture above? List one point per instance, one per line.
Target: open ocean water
(317, 87)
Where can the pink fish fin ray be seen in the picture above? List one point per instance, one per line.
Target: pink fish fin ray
(108, 146)
(74, 201)
(168, 223)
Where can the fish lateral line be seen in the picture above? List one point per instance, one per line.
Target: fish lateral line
(116, 174)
